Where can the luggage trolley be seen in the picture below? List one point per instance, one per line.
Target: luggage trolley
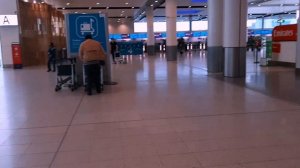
(66, 75)
(119, 58)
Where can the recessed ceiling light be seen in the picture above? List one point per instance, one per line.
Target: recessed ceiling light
(151, 5)
(68, 3)
(97, 3)
(76, 12)
(123, 11)
(126, 3)
(156, 1)
(63, 8)
(205, 6)
(90, 7)
(42, 2)
(107, 7)
(132, 7)
(190, 6)
(34, 1)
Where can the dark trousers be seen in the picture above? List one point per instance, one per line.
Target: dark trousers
(51, 60)
(92, 72)
(113, 53)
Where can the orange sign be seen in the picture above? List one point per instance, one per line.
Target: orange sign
(276, 47)
(285, 33)
(17, 57)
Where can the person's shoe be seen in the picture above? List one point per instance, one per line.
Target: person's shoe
(53, 71)
(49, 70)
(89, 93)
(98, 90)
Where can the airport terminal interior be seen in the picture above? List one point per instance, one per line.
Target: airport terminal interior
(160, 113)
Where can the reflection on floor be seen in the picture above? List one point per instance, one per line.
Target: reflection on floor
(160, 115)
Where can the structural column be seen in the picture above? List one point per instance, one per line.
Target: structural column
(298, 49)
(235, 27)
(171, 16)
(150, 31)
(215, 58)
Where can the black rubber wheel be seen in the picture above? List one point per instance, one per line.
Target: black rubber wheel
(57, 88)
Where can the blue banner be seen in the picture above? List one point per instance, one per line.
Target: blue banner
(130, 48)
(80, 25)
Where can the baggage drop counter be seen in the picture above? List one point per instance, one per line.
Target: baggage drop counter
(284, 45)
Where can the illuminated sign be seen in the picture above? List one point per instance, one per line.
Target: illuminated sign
(285, 33)
(8, 20)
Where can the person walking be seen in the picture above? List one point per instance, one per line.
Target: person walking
(93, 56)
(113, 49)
(51, 57)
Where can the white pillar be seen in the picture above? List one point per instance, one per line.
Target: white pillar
(150, 31)
(234, 34)
(298, 47)
(215, 58)
(171, 16)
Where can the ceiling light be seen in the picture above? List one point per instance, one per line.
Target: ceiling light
(68, 3)
(190, 6)
(126, 3)
(151, 5)
(76, 12)
(107, 7)
(123, 11)
(63, 8)
(90, 7)
(132, 7)
(42, 2)
(156, 1)
(34, 1)
(97, 3)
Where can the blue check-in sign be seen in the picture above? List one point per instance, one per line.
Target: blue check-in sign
(80, 25)
(86, 25)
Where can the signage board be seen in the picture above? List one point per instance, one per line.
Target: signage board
(80, 25)
(285, 33)
(276, 47)
(8, 20)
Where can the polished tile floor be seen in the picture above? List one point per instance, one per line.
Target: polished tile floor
(160, 115)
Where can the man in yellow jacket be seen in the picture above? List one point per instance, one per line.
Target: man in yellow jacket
(92, 55)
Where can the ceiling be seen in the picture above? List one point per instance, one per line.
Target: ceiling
(126, 9)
